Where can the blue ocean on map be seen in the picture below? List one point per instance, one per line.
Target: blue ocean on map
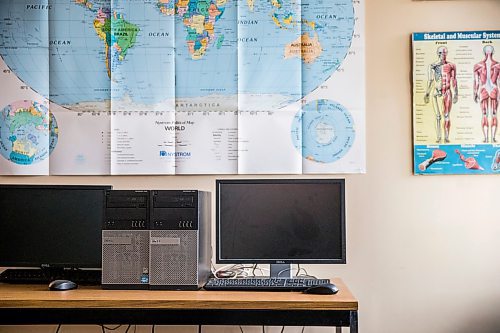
(323, 131)
(79, 51)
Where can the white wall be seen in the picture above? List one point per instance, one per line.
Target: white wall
(423, 252)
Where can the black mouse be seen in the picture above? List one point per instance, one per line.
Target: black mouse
(322, 289)
(62, 285)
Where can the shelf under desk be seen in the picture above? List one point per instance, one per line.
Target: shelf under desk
(35, 304)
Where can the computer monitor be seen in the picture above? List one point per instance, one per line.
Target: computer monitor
(280, 222)
(51, 226)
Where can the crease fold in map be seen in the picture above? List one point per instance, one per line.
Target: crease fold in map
(171, 87)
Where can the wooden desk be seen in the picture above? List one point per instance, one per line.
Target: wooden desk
(34, 304)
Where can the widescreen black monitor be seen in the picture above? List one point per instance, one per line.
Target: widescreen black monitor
(51, 225)
(280, 221)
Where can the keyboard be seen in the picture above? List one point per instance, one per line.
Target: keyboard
(41, 276)
(264, 284)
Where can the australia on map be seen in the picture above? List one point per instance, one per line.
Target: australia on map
(176, 56)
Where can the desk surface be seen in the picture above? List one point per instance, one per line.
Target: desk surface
(35, 304)
(37, 296)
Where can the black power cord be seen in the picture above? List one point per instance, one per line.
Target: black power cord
(111, 328)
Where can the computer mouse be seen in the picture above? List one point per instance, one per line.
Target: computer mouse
(322, 289)
(62, 285)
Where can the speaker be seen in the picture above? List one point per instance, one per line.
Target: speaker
(125, 240)
(179, 240)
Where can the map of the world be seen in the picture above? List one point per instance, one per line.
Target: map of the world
(149, 52)
(157, 56)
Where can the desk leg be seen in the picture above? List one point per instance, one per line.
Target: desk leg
(354, 322)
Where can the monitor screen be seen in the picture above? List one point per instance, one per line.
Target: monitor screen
(280, 221)
(51, 226)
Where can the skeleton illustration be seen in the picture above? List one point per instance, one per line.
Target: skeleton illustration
(441, 79)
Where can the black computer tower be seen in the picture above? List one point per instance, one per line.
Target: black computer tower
(180, 242)
(125, 240)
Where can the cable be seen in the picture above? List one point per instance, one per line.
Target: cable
(232, 271)
(300, 269)
(260, 269)
(128, 327)
(153, 329)
(303, 328)
(285, 270)
(291, 269)
(282, 329)
(111, 328)
(199, 328)
(212, 268)
(226, 271)
(58, 328)
(241, 329)
(306, 274)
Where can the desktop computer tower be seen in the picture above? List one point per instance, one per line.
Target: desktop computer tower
(180, 248)
(125, 240)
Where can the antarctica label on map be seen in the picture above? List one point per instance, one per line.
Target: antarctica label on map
(181, 86)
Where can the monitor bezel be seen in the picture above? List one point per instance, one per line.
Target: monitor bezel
(72, 265)
(337, 181)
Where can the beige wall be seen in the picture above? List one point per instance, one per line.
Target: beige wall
(423, 252)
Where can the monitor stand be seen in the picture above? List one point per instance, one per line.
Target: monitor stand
(280, 271)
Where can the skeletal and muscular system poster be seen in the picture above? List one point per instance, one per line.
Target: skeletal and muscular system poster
(456, 78)
(181, 87)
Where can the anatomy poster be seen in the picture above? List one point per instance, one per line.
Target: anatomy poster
(456, 78)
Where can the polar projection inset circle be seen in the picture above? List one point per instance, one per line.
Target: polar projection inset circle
(24, 132)
(323, 131)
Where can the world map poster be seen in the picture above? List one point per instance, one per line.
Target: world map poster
(456, 80)
(98, 87)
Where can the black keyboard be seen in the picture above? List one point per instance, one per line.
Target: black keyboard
(264, 284)
(41, 276)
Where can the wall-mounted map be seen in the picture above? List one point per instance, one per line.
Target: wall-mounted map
(181, 86)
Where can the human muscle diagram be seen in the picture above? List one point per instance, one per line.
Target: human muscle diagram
(437, 155)
(442, 77)
(469, 162)
(486, 78)
(455, 101)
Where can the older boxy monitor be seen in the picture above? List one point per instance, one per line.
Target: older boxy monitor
(280, 222)
(51, 226)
